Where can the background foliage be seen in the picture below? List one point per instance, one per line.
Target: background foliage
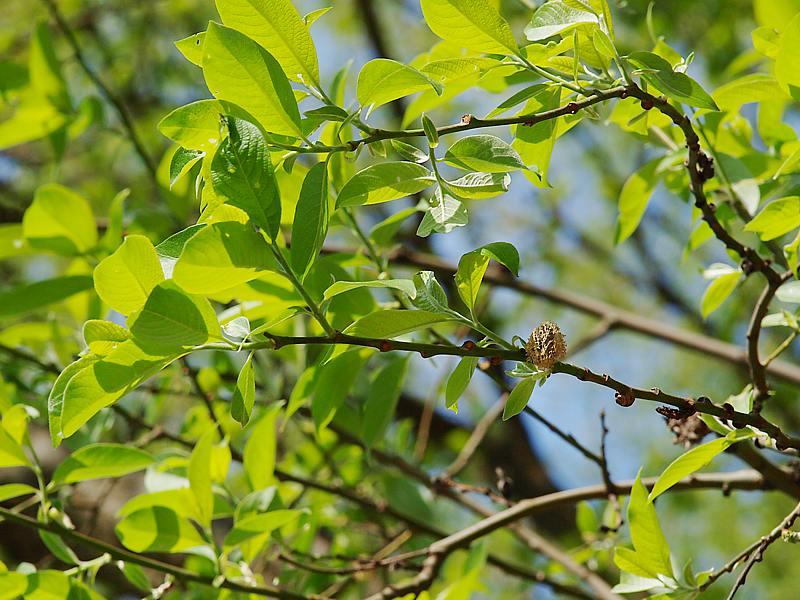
(301, 469)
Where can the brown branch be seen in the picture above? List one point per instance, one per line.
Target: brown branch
(619, 317)
(755, 552)
(758, 370)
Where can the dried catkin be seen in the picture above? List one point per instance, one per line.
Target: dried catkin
(546, 346)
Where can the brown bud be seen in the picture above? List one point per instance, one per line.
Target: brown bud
(546, 346)
(624, 400)
(572, 107)
(385, 346)
(468, 345)
(647, 104)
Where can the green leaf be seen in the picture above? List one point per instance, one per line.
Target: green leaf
(444, 214)
(630, 562)
(678, 86)
(279, 29)
(192, 48)
(44, 70)
(648, 539)
(157, 529)
(259, 451)
(472, 267)
(431, 132)
(101, 337)
(430, 295)
(753, 87)
(469, 24)
(634, 198)
(195, 126)
(172, 247)
(222, 256)
(692, 461)
(383, 182)
(340, 287)
(259, 525)
(125, 279)
(100, 383)
(558, 17)
(409, 152)
(789, 292)
(244, 394)
(535, 143)
(776, 218)
(459, 380)
(55, 400)
(242, 171)
(59, 220)
(484, 153)
(787, 69)
(478, 186)
(718, 291)
(32, 120)
(15, 490)
(311, 218)
(25, 298)
(11, 452)
(181, 164)
(240, 71)
(171, 319)
(333, 380)
(381, 401)
(395, 322)
(518, 398)
(382, 80)
(199, 474)
(101, 461)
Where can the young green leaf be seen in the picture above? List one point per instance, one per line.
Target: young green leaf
(444, 214)
(535, 143)
(678, 86)
(125, 279)
(787, 71)
(332, 383)
(181, 163)
(518, 398)
(646, 534)
(194, 126)
(558, 17)
(394, 322)
(472, 267)
(719, 290)
(259, 525)
(157, 529)
(430, 131)
(279, 29)
(789, 292)
(484, 153)
(469, 24)
(634, 197)
(310, 219)
(199, 474)
(381, 401)
(171, 319)
(221, 256)
(259, 451)
(383, 182)
(11, 451)
(409, 152)
(60, 221)
(382, 80)
(459, 380)
(478, 186)
(240, 71)
(25, 298)
(192, 48)
(100, 461)
(777, 218)
(244, 394)
(340, 287)
(694, 460)
(242, 172)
